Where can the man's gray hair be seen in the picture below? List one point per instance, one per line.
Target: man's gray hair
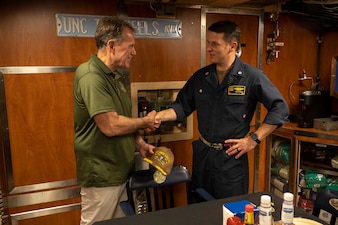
(110, 28)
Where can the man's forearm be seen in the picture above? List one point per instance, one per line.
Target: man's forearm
(264, 130)
(166, 115)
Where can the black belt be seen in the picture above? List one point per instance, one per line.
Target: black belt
(216, 146)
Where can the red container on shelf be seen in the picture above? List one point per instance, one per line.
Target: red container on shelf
(305, 204)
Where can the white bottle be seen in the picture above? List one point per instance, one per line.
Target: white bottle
(287, 209)
(265, 217)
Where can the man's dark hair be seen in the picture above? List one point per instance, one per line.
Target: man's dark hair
(110, 28)
(231, 30)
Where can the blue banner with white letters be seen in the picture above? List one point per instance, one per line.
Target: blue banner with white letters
(73, 25)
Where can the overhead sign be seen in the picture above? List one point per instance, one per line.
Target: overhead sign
(85, 25)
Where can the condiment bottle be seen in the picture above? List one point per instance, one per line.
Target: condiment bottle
(287, 209)
(265, 217)
(249, 217)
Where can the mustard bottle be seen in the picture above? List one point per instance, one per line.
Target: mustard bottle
(249, 217)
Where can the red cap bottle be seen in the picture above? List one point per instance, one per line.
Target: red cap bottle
(249, 218)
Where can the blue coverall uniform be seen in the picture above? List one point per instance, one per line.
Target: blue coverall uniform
(225, 111)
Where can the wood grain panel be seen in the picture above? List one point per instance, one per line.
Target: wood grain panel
(298, 53)
(40, 120)
(28, 32)
(169, 59)
(67, 218)
(49, 205)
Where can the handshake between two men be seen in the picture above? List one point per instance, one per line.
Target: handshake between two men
(156, 118)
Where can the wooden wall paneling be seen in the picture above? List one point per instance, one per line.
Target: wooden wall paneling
(329, 49)
(28, 32)
(169, 59)
(56, 219)
(297, 54)
(40, 119)
(64, 213)
(40, 145)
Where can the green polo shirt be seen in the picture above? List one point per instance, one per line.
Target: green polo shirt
(101, 161)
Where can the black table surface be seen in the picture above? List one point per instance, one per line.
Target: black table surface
(205, 213)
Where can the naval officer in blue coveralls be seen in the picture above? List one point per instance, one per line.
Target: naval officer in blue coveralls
(225, 94)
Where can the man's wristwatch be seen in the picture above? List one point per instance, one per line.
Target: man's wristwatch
(254, 137)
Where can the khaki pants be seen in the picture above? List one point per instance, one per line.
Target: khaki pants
(99, 204)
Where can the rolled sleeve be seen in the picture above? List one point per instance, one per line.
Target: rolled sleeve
(278, 114)
(179, 111)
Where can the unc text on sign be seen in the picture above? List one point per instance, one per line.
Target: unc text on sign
(85, 26)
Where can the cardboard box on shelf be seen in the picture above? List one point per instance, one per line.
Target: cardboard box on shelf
(327, 124)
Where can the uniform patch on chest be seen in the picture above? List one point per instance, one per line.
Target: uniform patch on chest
(236, 90)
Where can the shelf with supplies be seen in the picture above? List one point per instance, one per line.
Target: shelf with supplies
(147, 96)
(303, 161)
(280, 162)
(317, 169)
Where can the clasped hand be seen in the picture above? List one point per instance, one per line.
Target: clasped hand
(154, 121)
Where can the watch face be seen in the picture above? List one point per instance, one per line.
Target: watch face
(254, 136)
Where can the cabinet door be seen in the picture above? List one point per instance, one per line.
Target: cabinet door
(317, 168)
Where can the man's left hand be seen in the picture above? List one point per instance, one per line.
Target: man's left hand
(239, 146)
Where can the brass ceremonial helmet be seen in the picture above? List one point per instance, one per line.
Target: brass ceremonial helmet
(162, 159)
